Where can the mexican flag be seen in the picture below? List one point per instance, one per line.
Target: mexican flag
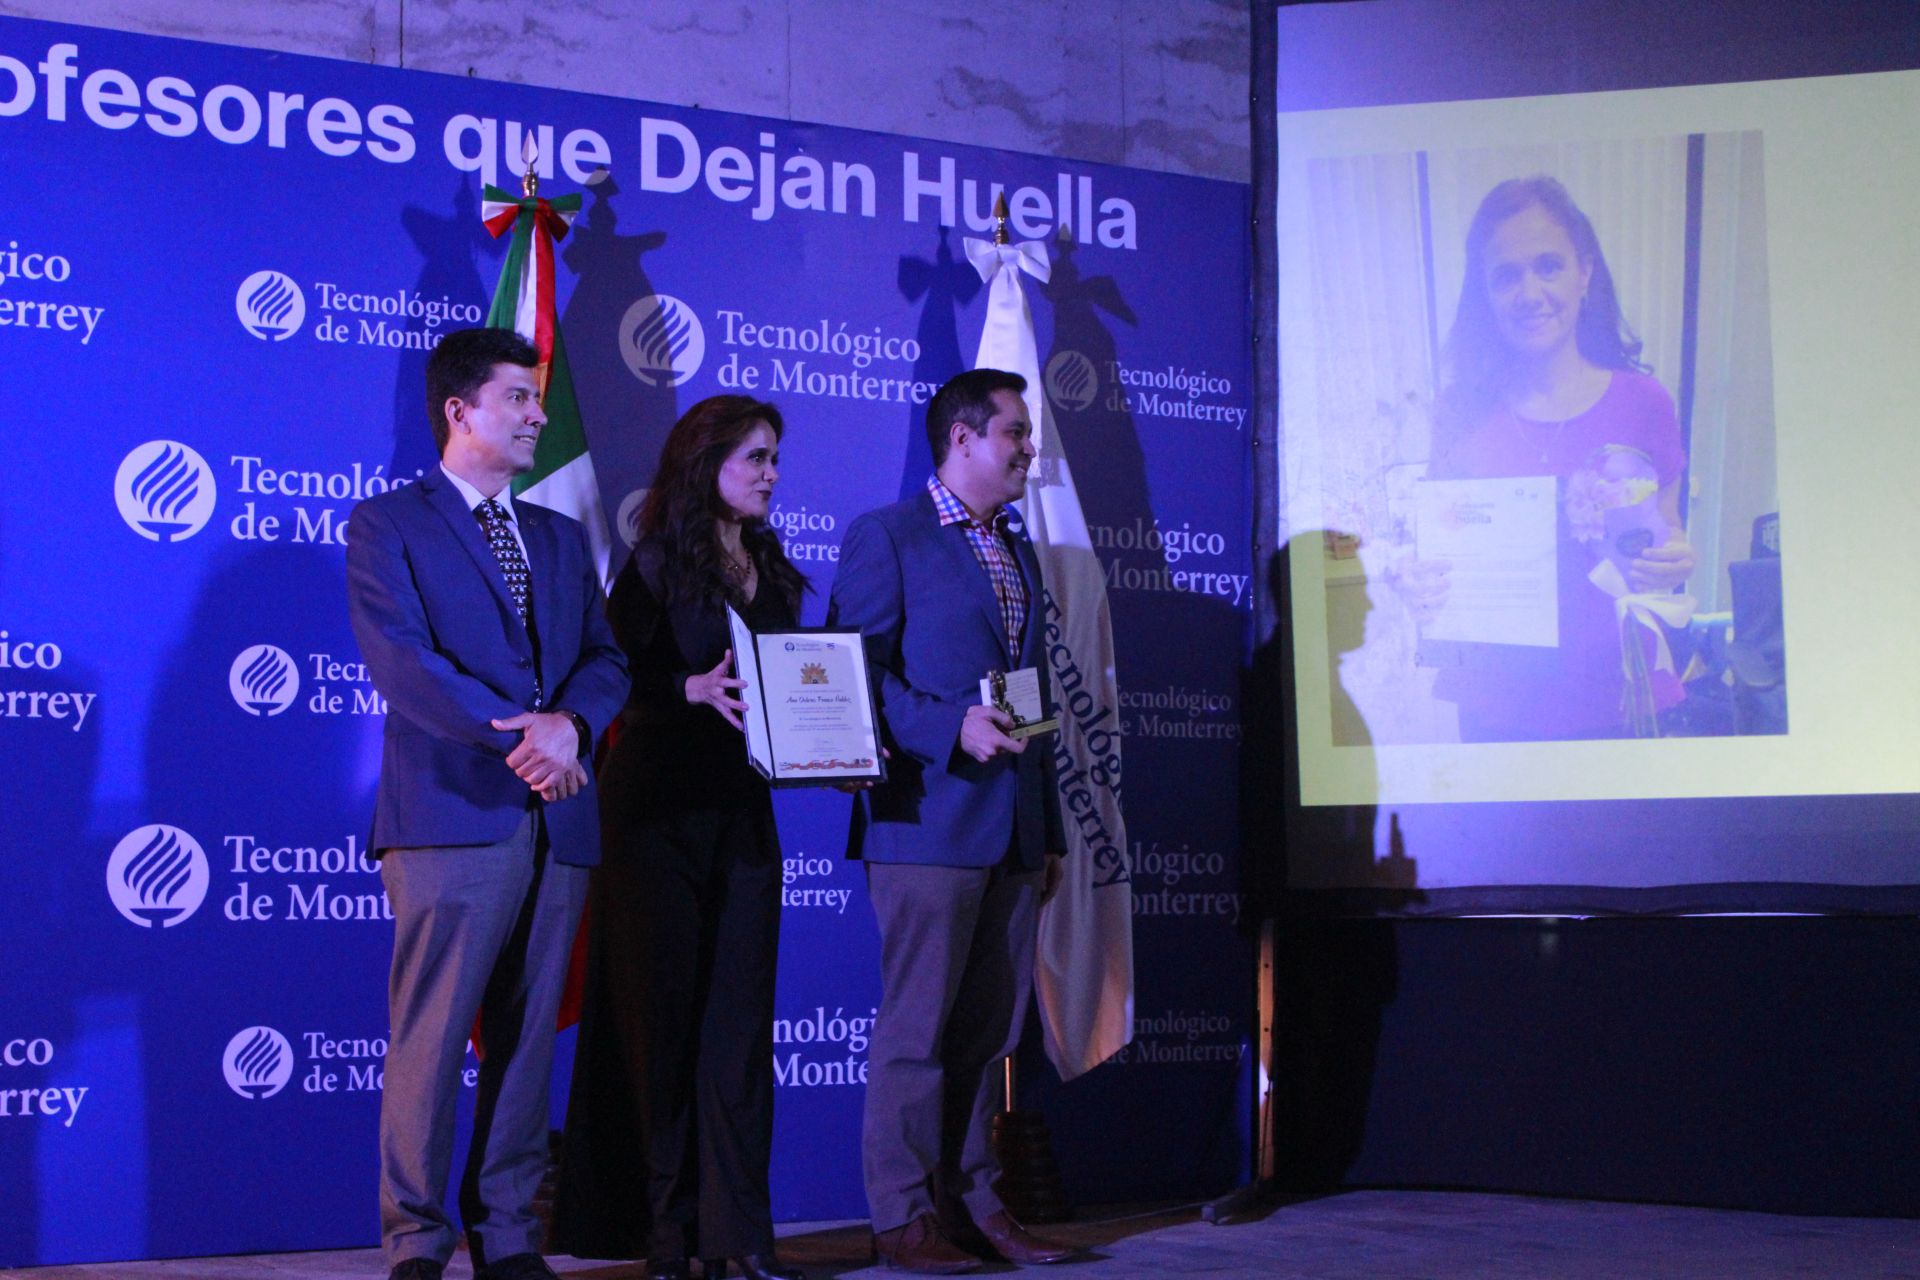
(562, 476)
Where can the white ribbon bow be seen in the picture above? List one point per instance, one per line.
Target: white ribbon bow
(1007, 332)
(1029, 256)
(1648, 608)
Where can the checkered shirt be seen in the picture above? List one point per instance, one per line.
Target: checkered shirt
(991, 549)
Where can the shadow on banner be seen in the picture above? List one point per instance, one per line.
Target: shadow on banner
(448, 246)
(627, 411)
(947, 284)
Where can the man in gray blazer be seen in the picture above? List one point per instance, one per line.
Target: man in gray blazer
(483, 625)
(963, 838)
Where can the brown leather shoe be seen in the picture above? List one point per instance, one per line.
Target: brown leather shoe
(1017, 1244)
(922, 1247)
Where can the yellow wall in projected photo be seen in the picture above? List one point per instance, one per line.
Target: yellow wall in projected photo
(1804, 319)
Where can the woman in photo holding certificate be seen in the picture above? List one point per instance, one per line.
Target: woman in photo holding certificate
(1546, 381)
(670, 1121)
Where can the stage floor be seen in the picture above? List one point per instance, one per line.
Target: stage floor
(1361, 1235)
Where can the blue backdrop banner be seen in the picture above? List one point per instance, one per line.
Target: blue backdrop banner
(220, 274)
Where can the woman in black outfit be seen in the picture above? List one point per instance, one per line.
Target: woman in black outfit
(670, 1122)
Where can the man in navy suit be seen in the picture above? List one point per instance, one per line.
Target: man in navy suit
(962, 840)
(482, 623)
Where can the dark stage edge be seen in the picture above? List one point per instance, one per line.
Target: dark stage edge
(1357, 1235)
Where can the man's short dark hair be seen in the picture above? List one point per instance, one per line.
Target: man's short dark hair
(461, 364)
(966, 398)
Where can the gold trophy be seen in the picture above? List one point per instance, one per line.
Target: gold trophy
(1020, 699)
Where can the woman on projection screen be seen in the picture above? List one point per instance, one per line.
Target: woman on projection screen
(1545, 381)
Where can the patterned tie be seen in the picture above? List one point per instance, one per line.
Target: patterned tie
(513, 567)
(506, 549)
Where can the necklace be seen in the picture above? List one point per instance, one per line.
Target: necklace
(1544, 435)
(737, 569)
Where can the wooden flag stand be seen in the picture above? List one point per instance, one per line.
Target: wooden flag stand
(1029, 1182)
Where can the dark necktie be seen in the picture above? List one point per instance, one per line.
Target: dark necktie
(506, 549)
(513, 567)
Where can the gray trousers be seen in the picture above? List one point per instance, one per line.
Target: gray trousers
(956, 966)
(480, 930)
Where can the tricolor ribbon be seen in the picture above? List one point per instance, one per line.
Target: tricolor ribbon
(537, 222)
(500, 210)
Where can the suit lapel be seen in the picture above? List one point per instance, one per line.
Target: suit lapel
(444, 498)
(536, 530)
(1029, 562)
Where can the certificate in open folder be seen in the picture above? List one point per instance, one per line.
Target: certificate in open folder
(810, 711)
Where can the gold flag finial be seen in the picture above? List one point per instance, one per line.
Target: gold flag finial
(1000, 217)
(529, 152)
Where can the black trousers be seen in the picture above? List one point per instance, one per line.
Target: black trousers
(670, 1120)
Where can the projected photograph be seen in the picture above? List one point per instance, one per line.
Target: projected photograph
(1541, 389)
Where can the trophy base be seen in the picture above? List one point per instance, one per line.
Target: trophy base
(1033, 728)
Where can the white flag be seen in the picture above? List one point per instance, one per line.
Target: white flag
(1084, 968)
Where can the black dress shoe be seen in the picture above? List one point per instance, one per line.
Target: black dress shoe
(668, 1269)
(518, 1266)
(761, 1266)
(417, 1269)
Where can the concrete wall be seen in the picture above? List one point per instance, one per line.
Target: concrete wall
(1156, 84)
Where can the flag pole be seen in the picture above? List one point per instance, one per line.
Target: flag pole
(1000, 237)
(1083, 946)
(1030, 1181)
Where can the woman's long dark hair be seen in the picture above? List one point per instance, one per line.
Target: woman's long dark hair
(1478, 360)
(682, 506)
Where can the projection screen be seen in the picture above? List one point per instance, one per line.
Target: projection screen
(1597, 376)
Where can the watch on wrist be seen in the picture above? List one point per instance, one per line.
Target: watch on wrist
(581, 727)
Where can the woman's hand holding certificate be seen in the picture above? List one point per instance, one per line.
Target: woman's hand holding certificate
(809, 709)
(715, 688)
